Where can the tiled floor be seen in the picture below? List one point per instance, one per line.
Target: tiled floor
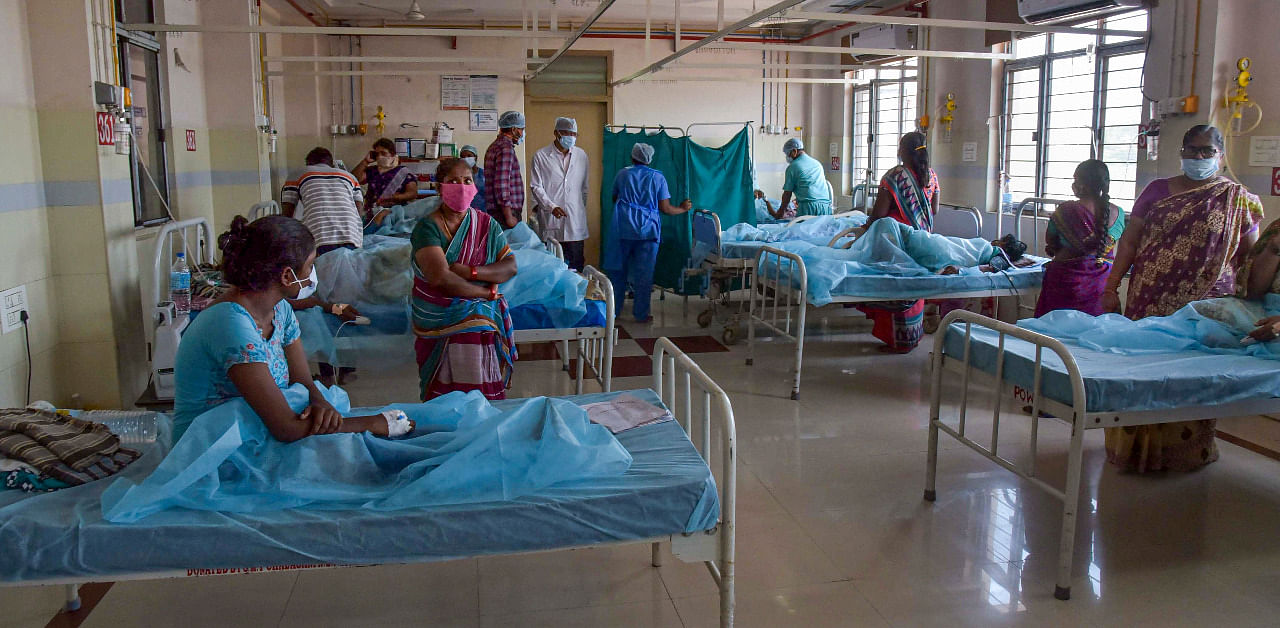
(832, 530)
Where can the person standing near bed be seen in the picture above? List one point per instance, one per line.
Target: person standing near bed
(1186, 238)
(909, 195)
(806, 179)
(246, 345)
(465, 339)
(1081, 238)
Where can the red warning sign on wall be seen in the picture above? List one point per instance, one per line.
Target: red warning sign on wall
(1275, 181)
(106, 129)
(191, 140)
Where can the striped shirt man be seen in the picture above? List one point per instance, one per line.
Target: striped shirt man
(329, 197)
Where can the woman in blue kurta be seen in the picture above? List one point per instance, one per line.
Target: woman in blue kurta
(639, 193)
(247, 343)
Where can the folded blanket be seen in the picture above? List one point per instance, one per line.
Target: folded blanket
(103, 467)
(44, 439)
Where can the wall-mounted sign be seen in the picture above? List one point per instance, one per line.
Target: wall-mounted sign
(191, 140)
(106, 129)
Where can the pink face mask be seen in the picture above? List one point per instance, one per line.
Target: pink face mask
(457, 196)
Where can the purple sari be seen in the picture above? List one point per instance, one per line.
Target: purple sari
(1188, 247)
(1077, 283)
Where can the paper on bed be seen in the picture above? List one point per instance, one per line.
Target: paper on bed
(625, 412)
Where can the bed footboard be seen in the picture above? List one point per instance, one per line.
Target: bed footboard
(778, 302)
(703, 408)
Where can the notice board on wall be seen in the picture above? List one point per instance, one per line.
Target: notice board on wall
(455, 93)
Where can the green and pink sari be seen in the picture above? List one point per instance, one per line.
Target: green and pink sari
(462, 344)
(1077, 283)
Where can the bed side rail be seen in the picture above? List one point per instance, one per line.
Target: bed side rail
(697, 402)
(779, 286)
(196, 239)
(1036, 205)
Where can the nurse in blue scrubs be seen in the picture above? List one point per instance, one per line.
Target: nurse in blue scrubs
(639, 193)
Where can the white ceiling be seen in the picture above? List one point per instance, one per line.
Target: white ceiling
(693, 13)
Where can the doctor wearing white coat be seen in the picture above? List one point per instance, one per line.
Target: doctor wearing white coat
(558, 178)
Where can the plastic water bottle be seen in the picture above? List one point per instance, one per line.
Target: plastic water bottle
(134, 428)
(1006, 197)
(180, 285)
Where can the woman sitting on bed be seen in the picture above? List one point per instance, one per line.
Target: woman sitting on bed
(246, 344)
(465, 337)
(1081, 238)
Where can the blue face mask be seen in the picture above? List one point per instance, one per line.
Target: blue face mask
(1199, 169)
(567, 141)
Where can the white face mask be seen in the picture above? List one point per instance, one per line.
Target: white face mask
(304, 292)
(387, 162)
(470, 161)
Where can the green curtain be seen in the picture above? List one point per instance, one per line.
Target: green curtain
(716, 179)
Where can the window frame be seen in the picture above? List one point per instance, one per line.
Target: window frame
(138, 180)
(872, 87)
(1101, 53)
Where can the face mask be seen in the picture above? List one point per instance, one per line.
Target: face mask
(470, 161)
(1199, 169)
(567, 141)
(789, 157)
(306, 291)
(457, 196)
(386, 163)
(515, 139)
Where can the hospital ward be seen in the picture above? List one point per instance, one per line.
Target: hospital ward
(640, 313)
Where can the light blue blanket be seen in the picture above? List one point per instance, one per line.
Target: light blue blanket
(463, 451)
(1211, 325)
(401, 220)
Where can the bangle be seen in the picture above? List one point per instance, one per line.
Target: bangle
(493, 292)
(475, 273)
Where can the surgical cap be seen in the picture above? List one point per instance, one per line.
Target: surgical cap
(468, 147)
(792, 144)
(511, 119)
(642, 153)
(567, 124)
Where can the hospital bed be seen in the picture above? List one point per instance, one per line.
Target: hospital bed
(1084, 388)
(265, 208)
(780, 300)
(683, 473)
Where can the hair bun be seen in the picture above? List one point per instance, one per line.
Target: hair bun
(234, 238)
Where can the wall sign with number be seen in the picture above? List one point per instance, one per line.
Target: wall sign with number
(106, 129)
(1275, 181)
(191, 140)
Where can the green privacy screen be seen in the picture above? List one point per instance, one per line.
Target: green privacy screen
(715, 179)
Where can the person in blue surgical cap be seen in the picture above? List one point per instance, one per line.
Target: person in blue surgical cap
(639, 193)
(469, 155)
(806, 179)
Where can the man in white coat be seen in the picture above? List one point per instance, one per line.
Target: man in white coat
(558, 178)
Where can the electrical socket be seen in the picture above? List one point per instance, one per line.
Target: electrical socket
(12, 303)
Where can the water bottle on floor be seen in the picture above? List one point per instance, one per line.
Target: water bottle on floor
(180, 285)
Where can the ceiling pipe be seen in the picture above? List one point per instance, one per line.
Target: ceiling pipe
(382, 31)
(310, 17)
(577, 34)
(747, 21)
(833, 29)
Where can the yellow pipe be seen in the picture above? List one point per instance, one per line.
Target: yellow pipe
(115, 50)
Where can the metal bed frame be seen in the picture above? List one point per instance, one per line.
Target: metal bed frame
(779, 302)
(1037, 205)
(196, 237)
(698, 404)
(265, 208)
(721, 274)
(1075, 414)
(594, 345)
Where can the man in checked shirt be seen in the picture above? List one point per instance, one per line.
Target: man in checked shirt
(504, 187)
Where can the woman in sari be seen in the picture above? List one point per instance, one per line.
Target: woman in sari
(1187, 237)
(460, 255)
(909, 195)
(1081, 237)
(389, 182)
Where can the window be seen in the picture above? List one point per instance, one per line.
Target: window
(1068, 98)
(884, 107)
(140, 72)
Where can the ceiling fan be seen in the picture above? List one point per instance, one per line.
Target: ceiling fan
(415, 14)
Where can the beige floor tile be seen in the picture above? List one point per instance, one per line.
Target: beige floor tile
(29, 606)
(656, 614)
(435, 594)
(235, 600)
(809, 606)
(569, 579)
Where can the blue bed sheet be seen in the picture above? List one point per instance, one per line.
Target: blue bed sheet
(668, 489)
(1151, 364)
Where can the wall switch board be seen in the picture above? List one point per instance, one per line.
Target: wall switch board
(12, 303)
